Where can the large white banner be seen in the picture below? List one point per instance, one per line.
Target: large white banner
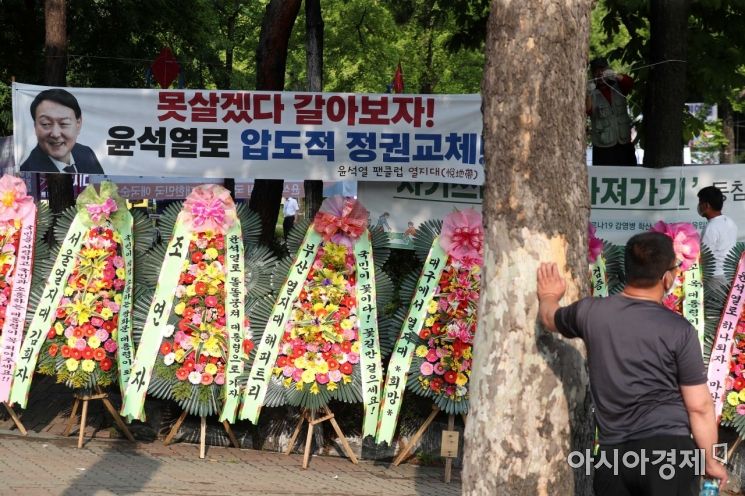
(249, 134)
(623, 200)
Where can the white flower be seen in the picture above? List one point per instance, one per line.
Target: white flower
(195, 377)
(168, 331)
(169, 358)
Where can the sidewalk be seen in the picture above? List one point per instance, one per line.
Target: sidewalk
(42, 464)
(45, 463)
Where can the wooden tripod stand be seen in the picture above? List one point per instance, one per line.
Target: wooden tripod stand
(14, 417)
(310, 417)
(405, 451)
(202, 433)
(84, 399)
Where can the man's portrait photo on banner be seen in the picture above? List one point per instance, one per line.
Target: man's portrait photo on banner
(57, 123)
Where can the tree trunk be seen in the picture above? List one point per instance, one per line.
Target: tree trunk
(728, 129)
(271, 59)
(529, 401)
(666, 84)
(314, 63)
(59, 186)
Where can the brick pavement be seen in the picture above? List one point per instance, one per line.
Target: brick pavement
(44, 464)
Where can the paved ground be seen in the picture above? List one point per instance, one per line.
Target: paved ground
(45, 463)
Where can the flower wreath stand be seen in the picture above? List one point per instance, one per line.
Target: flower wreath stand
(432, 356)
(81, 330)
(194, 331)
(22, 229)
(82, 398)
(320, 341)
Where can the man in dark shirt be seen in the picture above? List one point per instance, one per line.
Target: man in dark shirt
(647, 376)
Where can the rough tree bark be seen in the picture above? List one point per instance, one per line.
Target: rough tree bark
(728, 129)
(666, 84)
(271, 60)
(59, 186)
(314, 63)
(529, 402)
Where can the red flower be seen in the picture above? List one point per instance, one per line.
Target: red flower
(99, 354)
(196, 257)
(106, 364)
(739, 384)
(200, 288)
(61, 313)
(183, 325)
(741, 358)
(77, 333)
(188, 312)
(248, 346)
(282, 361)
(450, 376)
(436, 384)
(165, 348)
(345, 368)
(65, 351)
(182, 374)
(425, 333)
(87, 353)
(346, 346)
(206, 379)
(76, 354)
(53, 348)
(189, 364)
(51, 333)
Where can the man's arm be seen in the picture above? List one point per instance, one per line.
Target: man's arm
(700, 409)
(551, 288)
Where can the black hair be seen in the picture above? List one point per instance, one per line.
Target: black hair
(598, 63)
(648, 256)
(57, 95)
(713, 196)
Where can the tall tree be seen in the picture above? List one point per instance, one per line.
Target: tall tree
(271, 59)
(529, 400)
(59, 186)
(666, 86)
(314, 62)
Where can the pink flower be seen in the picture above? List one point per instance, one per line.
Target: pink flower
(102, 335)
(322, 378)
(220, 379)
(211, 301)
(110, 346)
(353, 358)
(432, 356)
(462, 235)
(334, 375)
(118, 262)
(740, 409)
(686, 241)
(80, 344)
(101, 211)
(297, 375)
(595, 244)
(426, 368)
(15, 203)
(439, 369)
(97, 321)
(288, 371)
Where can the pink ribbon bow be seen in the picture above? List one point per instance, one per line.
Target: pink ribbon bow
(462, 235)
(209, 207)
(340, 220)
(101, 211)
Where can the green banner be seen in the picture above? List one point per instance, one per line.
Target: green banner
(693, 299)
(235, 312)
(45, 312)
(266, 355)
(125, 346)
(398, 368)
(598, 279)
(152, 332)
(371, 370)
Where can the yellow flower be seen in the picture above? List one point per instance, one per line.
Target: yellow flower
(106, 313)
(59, 328)
(462, 379)
(733, 399)
(210, 368)
(741, 396)
(308, 376)
(421, 351)
(356, 347)
(301, 362)
(116, 237)
(432, 307)
(213, 289)
(179, 355)
(121, 273)
(319, 306)
(346, 378)
(429, 322)
(71, 364)
(314, 388)
(299, 386)
(210, 253)
(68, 291)
(88, 365)
(83, 308)
(467, 353)
(346, 324)
(286, 382)
(331, 386)
(323, 368)
(179, 309)
(71, 341)
(118, 298)
(190, 291)
(94, 342)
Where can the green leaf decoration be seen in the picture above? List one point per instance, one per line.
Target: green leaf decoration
(380, 242)
(425, 235)
(167, 220)
(148, 264)
(296, 235)
(63, 220)
(614, 267)
(143, 231)
(142, 297)
(250, 225)
(260, 262)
